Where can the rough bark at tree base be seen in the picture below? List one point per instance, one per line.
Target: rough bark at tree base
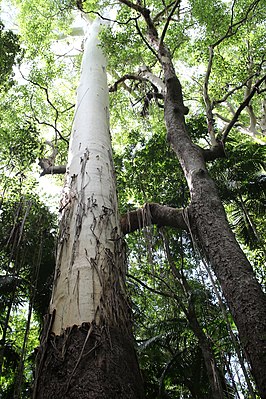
(90, 362)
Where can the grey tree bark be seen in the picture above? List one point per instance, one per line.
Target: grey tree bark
(207, 220)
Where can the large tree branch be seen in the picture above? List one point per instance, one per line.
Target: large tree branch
(144, 76)
(153, 79)
(52, 170)
(152, 213)
(215, 152)
(123, 79)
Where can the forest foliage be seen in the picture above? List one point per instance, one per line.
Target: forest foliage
(218, 49)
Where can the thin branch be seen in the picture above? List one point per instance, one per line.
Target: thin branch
(167, 367)
(241, 107)
(232, 91)
(145, 41)
(48, 124)
(50, 103)
(145, 12)
(232, 12)
(180, 278)
(148, 287)
(177, 3)
(241, 85)
(161, 13)
(68, 108)
(231, 107)
(111, 20)
(230, 31)
(46, 93)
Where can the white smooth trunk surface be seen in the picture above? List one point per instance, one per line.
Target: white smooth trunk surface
(89, 205)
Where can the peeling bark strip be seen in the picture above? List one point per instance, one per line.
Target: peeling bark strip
(90, 353)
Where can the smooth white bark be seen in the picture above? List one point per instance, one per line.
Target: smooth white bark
(89, 205)
(155, 80)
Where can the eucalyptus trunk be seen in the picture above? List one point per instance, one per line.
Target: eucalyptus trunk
(87, 348)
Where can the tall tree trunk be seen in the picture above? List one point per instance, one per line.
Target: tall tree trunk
(211, 231)
(87, 346)
(206, 217)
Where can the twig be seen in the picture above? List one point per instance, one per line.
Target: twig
(230, 31)
(48, 124)
(50, 103)
(232, 91)
(112, 20)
